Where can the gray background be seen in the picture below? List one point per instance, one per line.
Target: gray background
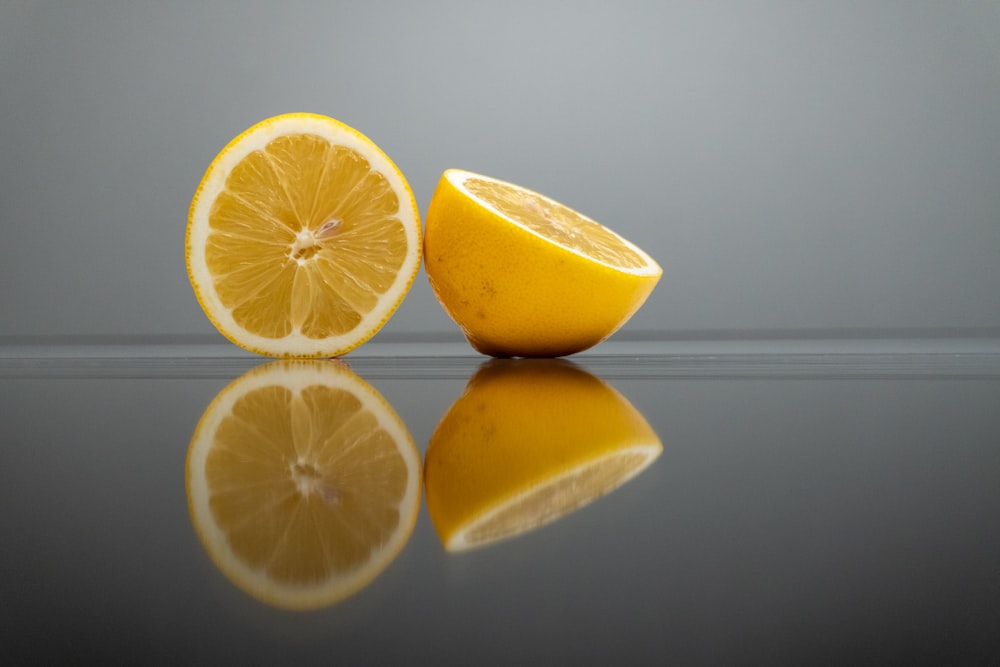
(792, 166)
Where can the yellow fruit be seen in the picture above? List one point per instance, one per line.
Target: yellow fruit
(529, 441)
(303, 238)
(525, 276)
(302, 483)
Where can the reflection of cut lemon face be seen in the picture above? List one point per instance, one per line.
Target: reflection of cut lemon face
(303, 484)
(529, 441)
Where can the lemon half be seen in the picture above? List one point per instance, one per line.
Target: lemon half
(303, 238)
(525, 276)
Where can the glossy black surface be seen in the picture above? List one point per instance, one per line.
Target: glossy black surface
(806, 509)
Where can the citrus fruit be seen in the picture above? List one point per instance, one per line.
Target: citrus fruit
(302, 483)
(529, 441)
(525, 276)
(303, 238)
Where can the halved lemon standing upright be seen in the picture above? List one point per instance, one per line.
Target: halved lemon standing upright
(528, 442)
(303, 238)
(303, 484)
(525, 276)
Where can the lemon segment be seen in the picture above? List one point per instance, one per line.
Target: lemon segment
(523, 275)
(303, 238)
(529, 441)
(303, 484)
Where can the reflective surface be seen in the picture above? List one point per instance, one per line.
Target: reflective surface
(806, 508)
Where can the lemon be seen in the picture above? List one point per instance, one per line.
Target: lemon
(529, 441)
(523, 275)
(302, 483)
(303, 238)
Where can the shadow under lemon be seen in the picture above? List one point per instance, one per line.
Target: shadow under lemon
(303, 484)
(529, 441)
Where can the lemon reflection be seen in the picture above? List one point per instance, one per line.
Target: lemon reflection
(302, 482)
(529, 441)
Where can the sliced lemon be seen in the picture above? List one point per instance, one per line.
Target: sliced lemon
(523, 275)
(529, 441)
(302, 483)
(303, 238)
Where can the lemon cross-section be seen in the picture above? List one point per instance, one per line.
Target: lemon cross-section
(303, 238)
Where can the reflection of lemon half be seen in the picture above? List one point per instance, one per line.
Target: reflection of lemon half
(303, 484)
(529, 441)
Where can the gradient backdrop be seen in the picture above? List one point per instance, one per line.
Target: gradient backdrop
(792, 166)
